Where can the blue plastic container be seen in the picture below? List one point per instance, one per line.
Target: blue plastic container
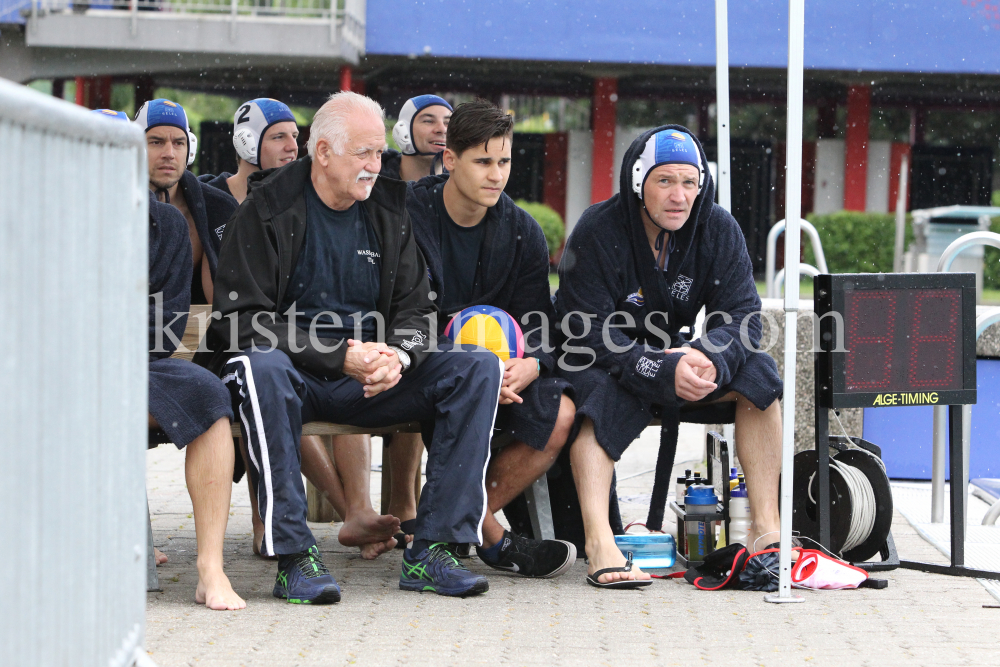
(652, 551)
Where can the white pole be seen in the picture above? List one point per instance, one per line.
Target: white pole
(722, 102)
(793, 211)
(897, 255)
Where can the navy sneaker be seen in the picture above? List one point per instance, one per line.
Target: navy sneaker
(543, 559)
(436, 569)
(303, 579)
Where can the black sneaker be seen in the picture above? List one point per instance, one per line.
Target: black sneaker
(530, 558)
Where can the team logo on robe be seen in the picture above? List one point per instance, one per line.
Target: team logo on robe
(418, 339)
(636, 297)
(648, 367)
(370, 255)
(681, 288)
(219, 230)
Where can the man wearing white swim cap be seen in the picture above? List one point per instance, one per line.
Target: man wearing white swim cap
(420, 133)
(265, 136)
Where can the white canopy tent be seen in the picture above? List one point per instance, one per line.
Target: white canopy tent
(793, 213)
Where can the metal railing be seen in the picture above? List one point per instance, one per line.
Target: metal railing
(295, 8)
(73, 384)
(772, 246)
(940, 447)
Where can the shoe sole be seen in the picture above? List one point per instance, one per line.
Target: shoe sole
(567, 564)
(421, 586)
(330, 595)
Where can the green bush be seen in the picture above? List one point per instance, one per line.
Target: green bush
(856, 242)
(991, 259)
(550, 222)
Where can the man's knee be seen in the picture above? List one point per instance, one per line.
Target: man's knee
(563, 426)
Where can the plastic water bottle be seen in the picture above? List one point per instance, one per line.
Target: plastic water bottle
(655, 550)
(681, 489)
(739, 515)
(700, 499)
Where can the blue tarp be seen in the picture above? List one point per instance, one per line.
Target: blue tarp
(904, 434)
(877, 35)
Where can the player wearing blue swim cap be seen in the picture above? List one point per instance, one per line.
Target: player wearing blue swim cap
(265, 136)
(170, 148)
(420, 133)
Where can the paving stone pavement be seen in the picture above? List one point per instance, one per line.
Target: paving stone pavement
(921, 619)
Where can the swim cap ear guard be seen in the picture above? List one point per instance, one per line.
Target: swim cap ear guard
(252, 120)
(667, 147)
(402, 131)
(164, 112)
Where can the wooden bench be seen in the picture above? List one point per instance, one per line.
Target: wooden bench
(319, 508)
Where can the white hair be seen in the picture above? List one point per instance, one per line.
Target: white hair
(330, 122)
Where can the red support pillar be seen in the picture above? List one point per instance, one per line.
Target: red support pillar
(93, 92)
(859, 103)
(345, 78)
(603, 118)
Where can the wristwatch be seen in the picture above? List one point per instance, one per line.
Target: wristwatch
(404, 358)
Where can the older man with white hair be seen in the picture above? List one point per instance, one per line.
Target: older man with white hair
(325, 315)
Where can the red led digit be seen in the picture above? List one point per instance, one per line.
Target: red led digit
(932, 340)
(870, 325)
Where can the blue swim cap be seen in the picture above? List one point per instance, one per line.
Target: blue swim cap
(164, 112)
(666, 147)
(402, 131)
(251, 122)
(111, 113)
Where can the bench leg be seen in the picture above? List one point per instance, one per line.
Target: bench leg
(152, 579)
(540, 509)
(319, 508)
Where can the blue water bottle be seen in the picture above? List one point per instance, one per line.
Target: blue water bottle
(700, 499)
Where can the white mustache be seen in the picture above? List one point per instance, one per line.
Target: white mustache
(366, 174)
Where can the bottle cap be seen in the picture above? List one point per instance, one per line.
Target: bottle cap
(733, 473)
(739, 492)
(700, 494)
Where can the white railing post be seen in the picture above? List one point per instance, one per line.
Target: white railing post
(722, 102)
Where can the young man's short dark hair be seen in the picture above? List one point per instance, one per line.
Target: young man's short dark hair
(475, 123)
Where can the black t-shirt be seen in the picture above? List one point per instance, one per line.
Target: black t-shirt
(460, 248)
(337, 271)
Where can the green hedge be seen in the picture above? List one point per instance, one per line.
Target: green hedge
(550, 222)
(857, 242)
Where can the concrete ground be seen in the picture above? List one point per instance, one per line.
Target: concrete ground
(921, 619)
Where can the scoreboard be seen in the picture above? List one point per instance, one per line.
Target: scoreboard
(895, 339)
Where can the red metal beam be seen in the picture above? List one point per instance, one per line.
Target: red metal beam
(603, 118)
(345, 78)
(859, 101)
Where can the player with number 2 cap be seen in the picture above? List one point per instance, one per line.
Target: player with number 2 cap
(265, 136)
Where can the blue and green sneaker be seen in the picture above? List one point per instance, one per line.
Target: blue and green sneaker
(303, 579)
(437, 569)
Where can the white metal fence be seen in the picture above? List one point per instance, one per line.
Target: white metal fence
(73, 276)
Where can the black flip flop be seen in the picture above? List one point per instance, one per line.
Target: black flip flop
(593, 579)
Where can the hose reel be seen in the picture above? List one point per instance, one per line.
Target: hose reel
(860, 498)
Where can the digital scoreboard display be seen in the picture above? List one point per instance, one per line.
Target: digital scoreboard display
(895, 339)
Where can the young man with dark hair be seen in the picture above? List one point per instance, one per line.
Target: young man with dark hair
(265, 137)
(420, 134)
(482, 249)
(328, 294)
(170, 149)
(641, 265)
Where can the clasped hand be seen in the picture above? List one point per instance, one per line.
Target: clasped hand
(517, 374)
(694, 378)
(374, 365)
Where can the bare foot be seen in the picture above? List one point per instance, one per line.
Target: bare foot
(611, 556)
(367, 527)
(215, 592)
(258, 540)
(160, 557)
(373, 550)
